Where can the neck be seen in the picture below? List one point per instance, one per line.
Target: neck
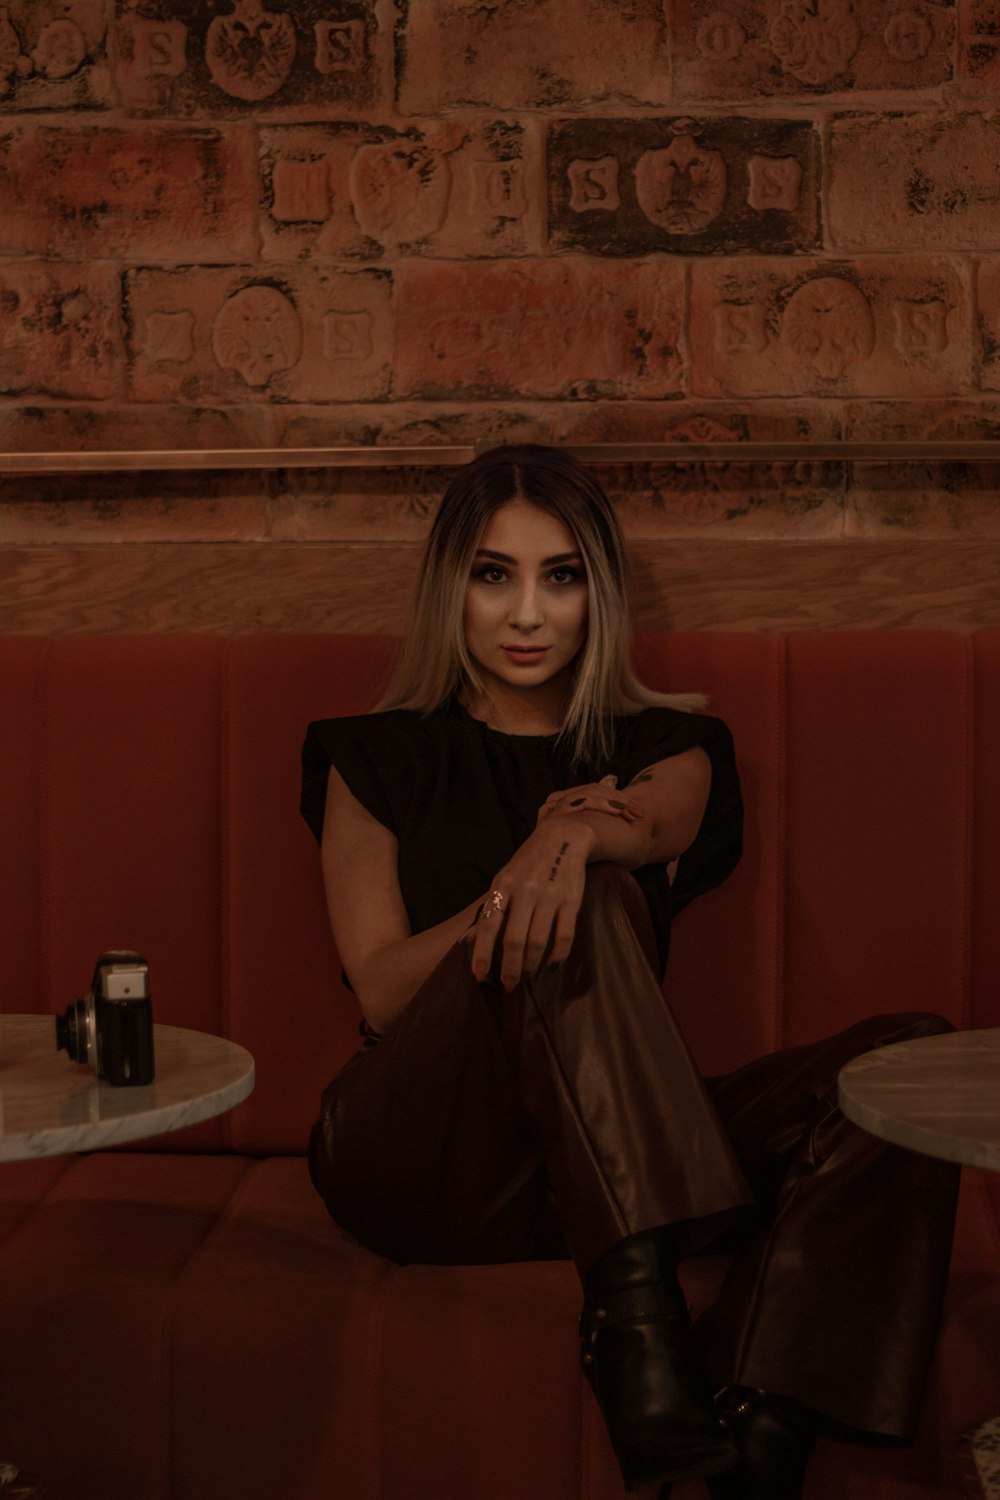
(512, 712)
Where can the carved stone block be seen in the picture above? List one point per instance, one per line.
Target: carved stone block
(532, 55)
(241, 56)
(626, 187)
(210, 335)
(877, 326)
(564, 327)
(82, 427)
(927, 181)
(172, 193)
(746, 48)
(979, 48)
(988, 293)
(924, 499)
(979, 66)
(53, 57)
(459, 188)
(60, 329)
(657, 500)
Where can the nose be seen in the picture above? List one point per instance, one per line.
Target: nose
(526, 612)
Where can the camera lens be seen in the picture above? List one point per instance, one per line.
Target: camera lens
(72, 1034)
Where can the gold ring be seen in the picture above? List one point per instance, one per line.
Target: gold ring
(493, 903)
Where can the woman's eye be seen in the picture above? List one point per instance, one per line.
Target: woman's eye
(491, 573)
(565, 575)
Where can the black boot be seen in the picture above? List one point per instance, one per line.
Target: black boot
(637, 1353)
(775, 1438)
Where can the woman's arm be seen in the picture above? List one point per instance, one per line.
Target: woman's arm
(385, 962)
(542, 885)
(670, 798)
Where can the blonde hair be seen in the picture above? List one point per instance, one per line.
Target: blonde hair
(434, 665)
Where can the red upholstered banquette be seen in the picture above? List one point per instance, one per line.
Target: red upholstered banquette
(181, 1321)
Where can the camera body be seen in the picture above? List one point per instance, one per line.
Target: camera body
(112, 1027)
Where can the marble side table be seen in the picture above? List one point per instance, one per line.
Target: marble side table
(939, 1095)
(50, 1105)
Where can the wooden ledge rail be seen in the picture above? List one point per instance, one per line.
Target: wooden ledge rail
(429, 457)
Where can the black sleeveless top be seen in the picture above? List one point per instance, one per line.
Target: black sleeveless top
(461, 797)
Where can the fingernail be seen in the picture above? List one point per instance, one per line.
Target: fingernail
(479, 971)
(612, 802)
(509, 984)
(578, 801)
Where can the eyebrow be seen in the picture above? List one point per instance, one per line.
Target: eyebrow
(547, 562)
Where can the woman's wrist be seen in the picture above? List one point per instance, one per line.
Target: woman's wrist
(570, 835)
(603, 836)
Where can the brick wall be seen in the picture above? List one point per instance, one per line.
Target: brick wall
(237, 224)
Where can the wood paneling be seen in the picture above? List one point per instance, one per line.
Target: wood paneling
(235, 588)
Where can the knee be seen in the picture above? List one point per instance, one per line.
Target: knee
(607, 883)
(607, 875)
(909, 1026)
(926, 1023)
(611, 888)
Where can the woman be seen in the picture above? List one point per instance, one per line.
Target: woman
(505, 841)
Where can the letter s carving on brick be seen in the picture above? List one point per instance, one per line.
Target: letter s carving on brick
(740, 327)
(340, 46)
(775, 182)
(920, 327)
(158, 48)
(347, 335)
(593, 184)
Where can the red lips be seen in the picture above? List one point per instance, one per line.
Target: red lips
(525, 653)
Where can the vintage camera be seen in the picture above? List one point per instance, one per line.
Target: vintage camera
(112, 1027)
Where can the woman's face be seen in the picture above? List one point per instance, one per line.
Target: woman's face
(526, 601)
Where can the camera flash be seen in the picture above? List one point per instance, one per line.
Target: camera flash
(124, 984)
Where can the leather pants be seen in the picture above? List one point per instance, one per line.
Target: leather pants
(553, 1121)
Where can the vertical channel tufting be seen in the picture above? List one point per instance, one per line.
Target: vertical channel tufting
(223, 765)
(877, 839)
(288, 1006)
(45, 917)
(22, 664)
(967, 668)
(985, 976)
(779, 1036)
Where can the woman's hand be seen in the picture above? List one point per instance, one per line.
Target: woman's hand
(534, 898)
(594, 796)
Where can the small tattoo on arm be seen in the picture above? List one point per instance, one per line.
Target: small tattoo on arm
(558, 861)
